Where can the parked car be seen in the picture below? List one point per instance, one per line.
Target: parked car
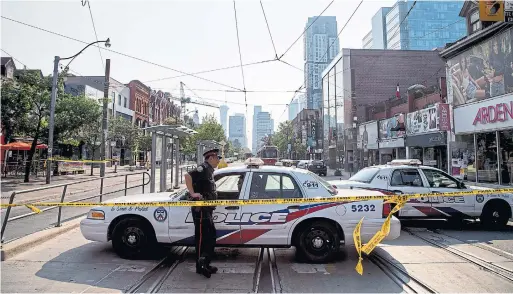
(317, 230)
(303, 164)
(318, 167)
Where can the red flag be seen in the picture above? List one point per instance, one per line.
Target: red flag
(397, 94)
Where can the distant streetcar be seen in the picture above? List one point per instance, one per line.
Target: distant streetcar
(268, 154)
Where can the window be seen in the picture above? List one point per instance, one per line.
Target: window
(272, 186)
(119, 99)
(125, 102)
(437, 179)
(406, 177)
(365, 175)
(229, 186)
(326, 185)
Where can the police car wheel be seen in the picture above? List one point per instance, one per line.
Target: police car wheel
(319, 242)
(495, 215)
(132, 239)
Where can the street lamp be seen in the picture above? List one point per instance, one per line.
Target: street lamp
(54, 98)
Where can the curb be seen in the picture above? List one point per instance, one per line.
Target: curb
(26, 243)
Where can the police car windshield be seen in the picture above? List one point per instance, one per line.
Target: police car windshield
(365, 175)
(325, 184)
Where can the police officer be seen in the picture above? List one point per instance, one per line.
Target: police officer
(201, 185)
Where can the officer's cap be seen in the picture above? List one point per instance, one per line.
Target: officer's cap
(210, 152)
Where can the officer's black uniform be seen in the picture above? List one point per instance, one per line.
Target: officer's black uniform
(205, 231)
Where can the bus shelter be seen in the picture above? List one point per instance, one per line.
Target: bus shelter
(203, 146)
(170, 135)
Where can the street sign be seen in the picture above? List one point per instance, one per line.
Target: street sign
(491, 10)
(508, 11)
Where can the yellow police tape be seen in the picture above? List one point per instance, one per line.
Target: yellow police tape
(399, 200)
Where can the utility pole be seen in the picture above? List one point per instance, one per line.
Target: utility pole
(49, 160)
(105, 131)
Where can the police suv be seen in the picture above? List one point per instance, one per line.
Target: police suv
(408, 176)
(315, 229)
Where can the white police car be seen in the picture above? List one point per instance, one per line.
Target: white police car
(316, 229)
(408, 176)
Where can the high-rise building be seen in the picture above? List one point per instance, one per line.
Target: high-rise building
(293, 108)
(223, 115)
(257, 109)
(195, 118)
(237, 129)
(429, 25)
(377, 37)
(262, 129)
(321, 35)
(272, 126)
(301, 100)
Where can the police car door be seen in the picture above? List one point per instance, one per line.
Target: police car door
(458, 206)
(269, 224)
(410, 181)
(227, 219)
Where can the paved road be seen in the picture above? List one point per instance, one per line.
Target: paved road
(69, 263)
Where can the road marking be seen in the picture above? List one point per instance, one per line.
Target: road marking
(229, 268)
(301, 268)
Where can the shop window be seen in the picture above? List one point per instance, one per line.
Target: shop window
(506, 156)
(487, 158)
(463, 158)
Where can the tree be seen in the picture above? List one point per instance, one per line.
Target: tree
(284, 136)
(122, 130)
(209, 129)
(144, 144)
(91, 134)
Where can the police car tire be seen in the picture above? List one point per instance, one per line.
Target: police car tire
(322, 230)
(144, 234)
(487, 218)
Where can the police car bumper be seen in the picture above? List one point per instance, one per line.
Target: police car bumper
(94, 230)
(370, 227)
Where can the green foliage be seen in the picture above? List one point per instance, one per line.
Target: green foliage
(74, 113)
(283, 136)
(144, 142)
(123, 130)
(209, 129)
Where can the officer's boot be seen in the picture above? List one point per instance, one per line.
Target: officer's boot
(201, 268)
(212, 269)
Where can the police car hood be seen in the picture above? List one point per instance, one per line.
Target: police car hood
(348, 184)
(138, 198)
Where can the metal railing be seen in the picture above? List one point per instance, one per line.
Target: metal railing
(63, 196)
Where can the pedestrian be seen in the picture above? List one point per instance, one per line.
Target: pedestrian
(201, 185)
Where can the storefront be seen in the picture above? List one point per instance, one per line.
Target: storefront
(483, 149)
(367, 143)
(391, 139)
(426, 135)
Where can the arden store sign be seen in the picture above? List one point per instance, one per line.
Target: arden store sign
(488, 115)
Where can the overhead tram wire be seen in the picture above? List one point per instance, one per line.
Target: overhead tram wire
(269, 30)
(123, 54)
(240, 54)
(13, 57)
(94, 28)
(316, 18)
(327, 50)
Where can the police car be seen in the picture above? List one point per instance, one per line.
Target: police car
(409, 176)
(316, 229)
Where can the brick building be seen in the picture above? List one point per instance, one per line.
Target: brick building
(140, 103)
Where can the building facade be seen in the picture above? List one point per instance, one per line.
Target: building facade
(223, 116)
(237, 129)
(263, 129)
(162, 107)
(377, 37)
(480, 88)
(256, 110)
(307, 131)
(429, 25)
(140, 103)
(354, 90)
(293, 108)
(318, 38)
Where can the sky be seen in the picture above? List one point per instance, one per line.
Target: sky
(170, 38)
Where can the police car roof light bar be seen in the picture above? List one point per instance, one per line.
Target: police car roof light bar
(253, 162)
(405, 162)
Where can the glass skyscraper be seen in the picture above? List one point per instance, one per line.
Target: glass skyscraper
(430, 24)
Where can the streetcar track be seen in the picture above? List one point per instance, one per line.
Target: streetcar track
(400, 276)
(481, 263)
(159, 273)
(273, 271)
(258, 270)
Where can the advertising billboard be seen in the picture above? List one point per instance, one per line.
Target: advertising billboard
(368, 136)
(392, 131)
(422, 121)
(483, 71)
